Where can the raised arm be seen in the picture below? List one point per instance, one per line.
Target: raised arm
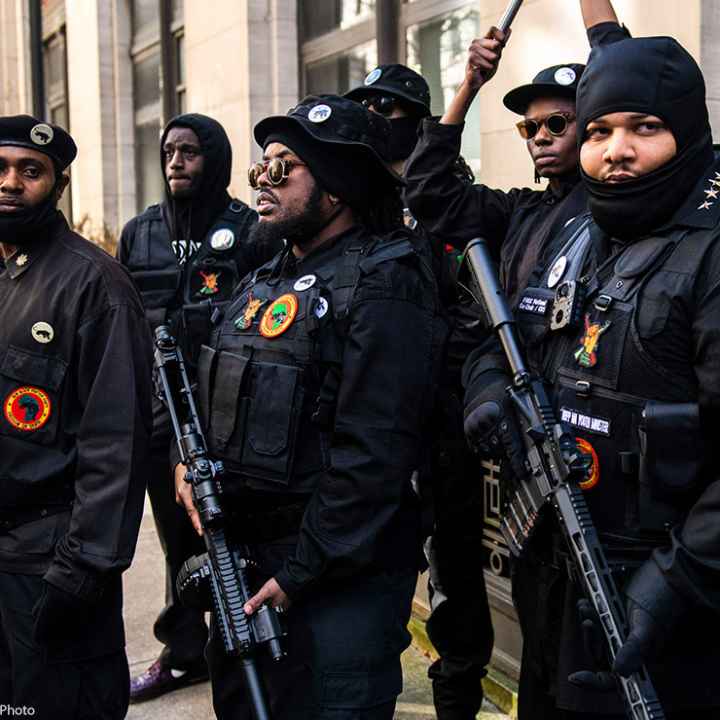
(483, 59)
(595, 12)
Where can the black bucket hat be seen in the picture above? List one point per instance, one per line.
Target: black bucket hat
(400, 82)
(338, 123)
(555, 81)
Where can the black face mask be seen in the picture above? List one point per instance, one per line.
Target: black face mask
(617, 80)
(20, 227)
(403, 137)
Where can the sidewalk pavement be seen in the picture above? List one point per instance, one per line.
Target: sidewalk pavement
(144, 594)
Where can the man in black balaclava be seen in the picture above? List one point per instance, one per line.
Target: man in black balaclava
(75, 387)
(461, 632)
(638, 380)
(186, 255)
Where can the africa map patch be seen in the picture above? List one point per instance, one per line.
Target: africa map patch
(27, 408)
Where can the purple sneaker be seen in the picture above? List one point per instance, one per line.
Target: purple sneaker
(158, 680)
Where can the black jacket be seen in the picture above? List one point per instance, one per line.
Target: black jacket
(333, 410)
(517, 223)
(75, 381)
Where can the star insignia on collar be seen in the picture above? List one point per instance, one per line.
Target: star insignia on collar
(717, 175)
(21, 260)
(712, 194)
(706, 205)
(715, 183)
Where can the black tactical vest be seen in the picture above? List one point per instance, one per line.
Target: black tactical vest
(631, 408)
(268, 385)
(184, 296)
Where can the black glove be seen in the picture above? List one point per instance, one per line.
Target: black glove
(600, 678)
(653, 609)
(490, 425)
(58, 615)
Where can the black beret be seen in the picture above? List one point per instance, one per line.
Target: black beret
(27, 131)
(555, 81)
(398, 81)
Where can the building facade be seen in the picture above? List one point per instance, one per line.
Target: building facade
(114, 71)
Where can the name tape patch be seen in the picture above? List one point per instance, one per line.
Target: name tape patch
(597, 425)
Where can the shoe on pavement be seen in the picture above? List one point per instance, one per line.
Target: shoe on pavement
(158, 680)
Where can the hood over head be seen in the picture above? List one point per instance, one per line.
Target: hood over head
(197, 214)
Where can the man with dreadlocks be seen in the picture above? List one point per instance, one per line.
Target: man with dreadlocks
(185, 255)
(315, 389)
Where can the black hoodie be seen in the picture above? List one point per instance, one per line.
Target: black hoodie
(191, 219)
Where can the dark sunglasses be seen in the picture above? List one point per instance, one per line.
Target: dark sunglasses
(556, 124)
(277, 169)
(381, 104)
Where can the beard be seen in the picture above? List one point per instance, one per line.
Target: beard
(297, 228)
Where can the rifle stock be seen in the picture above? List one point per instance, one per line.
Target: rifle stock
(556, 467)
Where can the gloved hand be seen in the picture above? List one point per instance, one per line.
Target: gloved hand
(644, 641)
(58, 614)
(600, 678)
(490, 424)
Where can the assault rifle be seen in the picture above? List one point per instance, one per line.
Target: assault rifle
(226, 569)
(556, 468)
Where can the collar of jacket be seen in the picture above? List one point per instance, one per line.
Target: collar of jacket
(31, 251)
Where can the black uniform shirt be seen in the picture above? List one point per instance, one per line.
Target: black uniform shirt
(75, 387)
(517, 223)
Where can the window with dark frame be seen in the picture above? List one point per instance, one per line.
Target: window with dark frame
(157, 53)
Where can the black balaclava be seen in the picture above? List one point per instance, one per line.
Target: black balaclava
(655, 76)
(191, 218)
(403, 137)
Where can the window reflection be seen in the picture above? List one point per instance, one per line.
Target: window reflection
(341, 72)
(320, 17)
(438, 51)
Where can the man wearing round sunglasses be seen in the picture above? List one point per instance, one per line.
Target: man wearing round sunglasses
(186, 255)
(518, 223)
(637, 379)
(316, 386)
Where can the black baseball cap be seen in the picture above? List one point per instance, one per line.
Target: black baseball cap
(400, 82)
(555, 81)
(51, 140)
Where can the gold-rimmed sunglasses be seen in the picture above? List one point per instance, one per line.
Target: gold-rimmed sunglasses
(556, 124)
(277, 170)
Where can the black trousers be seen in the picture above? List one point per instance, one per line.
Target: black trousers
(56, 685)
(343, 653)
(181, 630)
(459, 627)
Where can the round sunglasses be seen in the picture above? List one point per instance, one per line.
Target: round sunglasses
(556, 124)
(381, 104)
(277, 170)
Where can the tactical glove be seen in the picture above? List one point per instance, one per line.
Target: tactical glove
(490, 424)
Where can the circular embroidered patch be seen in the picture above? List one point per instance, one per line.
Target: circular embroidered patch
(27, 408)
(320, 113)
(593, 477)
(42, 134)
(279, 316)
(373, 76)
(565, 76)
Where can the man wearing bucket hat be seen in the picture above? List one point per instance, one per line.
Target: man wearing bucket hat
(75, 387)
(636, 377)
(518, 223)
(315, 391)
(186, 255)
(461, 632)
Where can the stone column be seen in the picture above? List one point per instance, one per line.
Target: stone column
(15, 64)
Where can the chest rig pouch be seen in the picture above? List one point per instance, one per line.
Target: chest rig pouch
(551, 301)
(602, 391)
(210, 276)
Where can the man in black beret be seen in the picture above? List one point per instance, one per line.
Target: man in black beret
(315, 387)
(75, 387)
(185, 255)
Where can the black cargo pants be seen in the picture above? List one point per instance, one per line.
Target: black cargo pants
(343, 651)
